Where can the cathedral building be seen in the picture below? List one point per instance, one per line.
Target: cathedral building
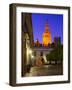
(37, 43)
(46, 37)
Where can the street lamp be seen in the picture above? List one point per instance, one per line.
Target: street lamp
(30, 51)
(32, 56)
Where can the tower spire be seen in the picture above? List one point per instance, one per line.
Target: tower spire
(46, 27)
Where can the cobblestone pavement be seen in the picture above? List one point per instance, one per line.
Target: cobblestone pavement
(46, 70)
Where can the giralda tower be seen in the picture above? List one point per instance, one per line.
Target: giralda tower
(46, 37)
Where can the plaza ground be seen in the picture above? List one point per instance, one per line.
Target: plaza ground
(46, 70)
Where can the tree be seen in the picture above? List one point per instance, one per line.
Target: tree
(56, 54)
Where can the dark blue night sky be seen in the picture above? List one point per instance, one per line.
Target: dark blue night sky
(55, 22)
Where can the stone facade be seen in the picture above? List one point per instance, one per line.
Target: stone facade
(27, 40)
(46, 37)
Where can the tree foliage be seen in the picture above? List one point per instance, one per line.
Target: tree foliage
(56, 54)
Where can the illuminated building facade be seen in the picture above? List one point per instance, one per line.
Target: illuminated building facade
(27, 41)
(46, 37)
(37, 43)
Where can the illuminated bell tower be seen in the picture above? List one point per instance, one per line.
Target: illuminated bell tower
(46, 37)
